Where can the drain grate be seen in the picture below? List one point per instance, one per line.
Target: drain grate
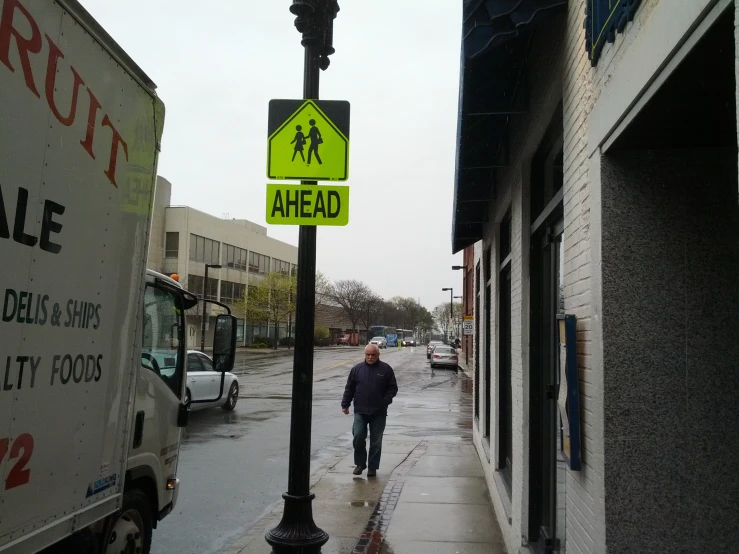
(371, 540)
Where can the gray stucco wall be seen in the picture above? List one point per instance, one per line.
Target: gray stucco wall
(670, 265)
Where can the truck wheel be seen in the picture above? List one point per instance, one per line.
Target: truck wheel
(232, 398)
(131, 530)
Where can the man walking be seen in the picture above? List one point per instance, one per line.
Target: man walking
(372, 387)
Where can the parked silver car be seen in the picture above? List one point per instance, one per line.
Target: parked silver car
(444, 356)
(430, 348)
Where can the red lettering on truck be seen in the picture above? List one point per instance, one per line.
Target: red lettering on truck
(25, 45)
(12, 30)
(51, 73)
(22, 449)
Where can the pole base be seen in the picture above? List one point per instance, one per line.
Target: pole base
(297, 533)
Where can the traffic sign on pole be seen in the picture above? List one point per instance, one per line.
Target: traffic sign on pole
(308, 139)
(307, 204)
(468, 325)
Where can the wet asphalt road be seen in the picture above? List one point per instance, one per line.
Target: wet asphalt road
(233, 466)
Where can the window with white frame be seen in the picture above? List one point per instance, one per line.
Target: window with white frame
(204, 250)
(172, 245)
(232, 292)
(234, 257)
(279, 266)
(258, 263)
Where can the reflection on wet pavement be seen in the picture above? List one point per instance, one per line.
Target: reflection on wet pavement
(233, 466)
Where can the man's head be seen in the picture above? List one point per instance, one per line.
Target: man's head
(371, 354)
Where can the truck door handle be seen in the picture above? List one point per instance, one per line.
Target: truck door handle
(138, 433)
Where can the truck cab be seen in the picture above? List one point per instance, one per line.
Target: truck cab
(159, 412)
(151, 483)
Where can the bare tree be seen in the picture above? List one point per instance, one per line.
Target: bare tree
(350, 294)
(427, 323)
(371, 308)
(446, 314)
(323, 293)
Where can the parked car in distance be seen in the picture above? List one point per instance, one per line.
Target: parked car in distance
(344, 338)
(410, 341)
(430, 348)
(381, 342)
(444, 356)
(204, 383)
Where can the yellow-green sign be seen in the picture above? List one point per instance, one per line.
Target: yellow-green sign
(307, 204)
(308, 140)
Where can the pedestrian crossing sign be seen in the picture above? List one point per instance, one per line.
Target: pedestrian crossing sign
(308, 140)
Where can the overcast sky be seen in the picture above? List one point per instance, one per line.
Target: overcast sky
(218, 64)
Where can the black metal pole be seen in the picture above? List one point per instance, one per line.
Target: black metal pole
(451, 307)
(297, 533)
(202, 319)
(290, 322)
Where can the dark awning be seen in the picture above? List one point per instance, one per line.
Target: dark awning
(495, 42)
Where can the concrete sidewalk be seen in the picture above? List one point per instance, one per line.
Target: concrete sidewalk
(429, 495)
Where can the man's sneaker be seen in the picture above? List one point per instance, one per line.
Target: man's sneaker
(372, 473)
(358, 470)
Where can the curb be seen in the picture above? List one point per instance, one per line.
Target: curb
(464, 369)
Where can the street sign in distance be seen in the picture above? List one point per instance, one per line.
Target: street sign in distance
(308, 140)
(468, 325)
(307, 204)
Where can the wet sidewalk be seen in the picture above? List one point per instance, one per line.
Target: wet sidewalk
(429, 495)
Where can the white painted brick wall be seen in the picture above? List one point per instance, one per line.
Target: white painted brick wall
(582, 87)
(585, 516)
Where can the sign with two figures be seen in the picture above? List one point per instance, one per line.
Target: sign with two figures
(308, 140)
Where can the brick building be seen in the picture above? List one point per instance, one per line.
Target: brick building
(597, 177)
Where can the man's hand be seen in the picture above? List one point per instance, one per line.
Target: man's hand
(345, 410)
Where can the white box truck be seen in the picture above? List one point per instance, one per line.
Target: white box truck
(92, 346)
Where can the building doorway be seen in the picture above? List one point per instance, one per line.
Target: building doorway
(547, 471)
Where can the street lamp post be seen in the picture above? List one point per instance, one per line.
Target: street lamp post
(451, 302)
(297, 533)
(464, 286)
(202, 319)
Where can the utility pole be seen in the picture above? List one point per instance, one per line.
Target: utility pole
(297, 533)
(451, 308)
(203, 319)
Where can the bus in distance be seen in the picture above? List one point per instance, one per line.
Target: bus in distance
(390, 334)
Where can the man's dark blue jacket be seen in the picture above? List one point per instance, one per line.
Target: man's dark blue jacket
(372, 387)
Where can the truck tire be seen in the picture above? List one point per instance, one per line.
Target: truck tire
(131, 528)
